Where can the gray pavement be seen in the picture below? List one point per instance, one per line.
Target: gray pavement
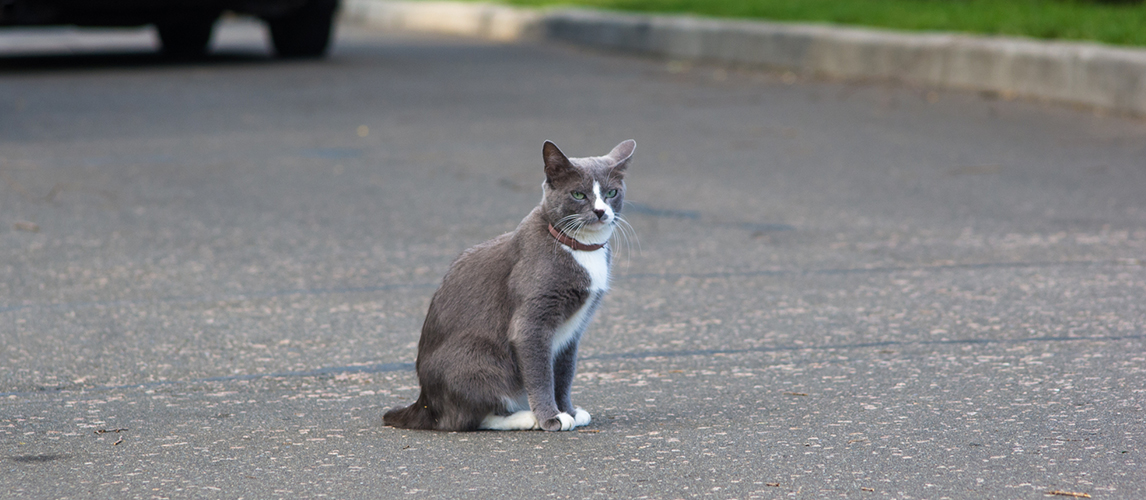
(840, 290)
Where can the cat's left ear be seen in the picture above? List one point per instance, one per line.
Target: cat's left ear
(557, 165)
(621, 155)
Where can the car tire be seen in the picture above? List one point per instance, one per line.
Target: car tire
(186, 35)
(304, 33)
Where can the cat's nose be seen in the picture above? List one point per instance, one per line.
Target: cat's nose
(600, 213)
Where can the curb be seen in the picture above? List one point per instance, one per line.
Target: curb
(1091, 74)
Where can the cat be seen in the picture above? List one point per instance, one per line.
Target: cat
(499, 344)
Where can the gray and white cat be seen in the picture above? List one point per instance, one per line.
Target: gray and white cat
(499, 345)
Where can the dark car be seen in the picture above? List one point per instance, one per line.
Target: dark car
(299, 28)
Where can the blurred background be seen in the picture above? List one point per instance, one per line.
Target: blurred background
(221, 225)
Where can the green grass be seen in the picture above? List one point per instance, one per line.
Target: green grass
(1114, 23)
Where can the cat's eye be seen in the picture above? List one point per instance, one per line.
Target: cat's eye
(611, 194)
(577, 195)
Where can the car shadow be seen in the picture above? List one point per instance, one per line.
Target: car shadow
(96, 61)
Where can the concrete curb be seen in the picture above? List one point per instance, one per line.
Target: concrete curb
(1091, 74)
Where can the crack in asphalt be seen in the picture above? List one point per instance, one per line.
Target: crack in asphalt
(397, 367)
(73, 306)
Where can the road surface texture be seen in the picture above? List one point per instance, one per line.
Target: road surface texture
(213, 275)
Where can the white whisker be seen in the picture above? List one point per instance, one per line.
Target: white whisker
(626, 231)
(563, 226)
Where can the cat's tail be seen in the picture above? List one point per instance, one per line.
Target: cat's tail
(415, 416)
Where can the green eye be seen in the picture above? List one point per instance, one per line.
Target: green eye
(577, 195)
(611, 194)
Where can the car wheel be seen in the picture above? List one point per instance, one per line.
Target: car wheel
(304, 33)
(187, 35)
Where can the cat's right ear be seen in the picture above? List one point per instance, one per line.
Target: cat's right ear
(621, 154)
(557, 164)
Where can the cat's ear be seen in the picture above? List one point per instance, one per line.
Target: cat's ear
(621, 154)
(557, 164)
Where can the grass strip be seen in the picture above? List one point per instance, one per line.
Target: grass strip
(1113, 22)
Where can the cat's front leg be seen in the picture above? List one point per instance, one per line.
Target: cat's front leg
(548, 416)
(581, 417)
(537, 375)
(562, 422)
(564, 368)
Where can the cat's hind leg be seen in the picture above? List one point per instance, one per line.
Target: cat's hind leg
(467, 383)
(523, 420)
(520, 417)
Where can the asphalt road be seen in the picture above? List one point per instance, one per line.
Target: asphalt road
(840, 290)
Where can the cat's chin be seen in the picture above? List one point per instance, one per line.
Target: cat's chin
(595, 233)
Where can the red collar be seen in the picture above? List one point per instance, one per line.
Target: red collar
(572, 243)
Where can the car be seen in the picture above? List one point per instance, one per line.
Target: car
(298, 28)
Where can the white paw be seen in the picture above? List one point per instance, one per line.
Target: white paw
(581, 417)
(567, 421)
(520, 421)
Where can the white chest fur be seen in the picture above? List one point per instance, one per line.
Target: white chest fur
(596, 264)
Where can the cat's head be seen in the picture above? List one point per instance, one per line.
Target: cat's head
(582, 197)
